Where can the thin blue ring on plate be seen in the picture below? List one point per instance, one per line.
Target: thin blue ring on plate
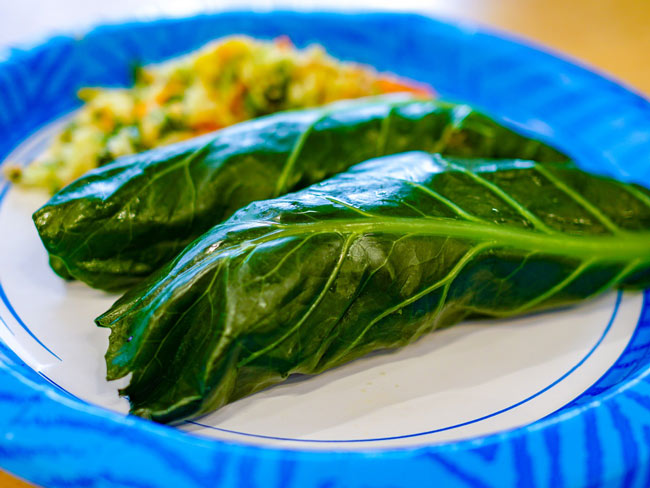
(602, 438)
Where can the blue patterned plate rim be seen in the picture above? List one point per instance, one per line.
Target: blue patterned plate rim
(601, 437)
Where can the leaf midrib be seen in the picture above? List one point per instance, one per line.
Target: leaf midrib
(620, 248)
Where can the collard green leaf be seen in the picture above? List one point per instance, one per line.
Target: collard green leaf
(370, 259)
(121, 222)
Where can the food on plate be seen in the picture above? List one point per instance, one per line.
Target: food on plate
(119, 223)
(370, 259)
(225, 82)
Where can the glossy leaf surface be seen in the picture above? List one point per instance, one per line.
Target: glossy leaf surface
(121, 222)
(370, 259)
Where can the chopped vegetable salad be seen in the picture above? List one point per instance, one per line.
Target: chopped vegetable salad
(225, 82)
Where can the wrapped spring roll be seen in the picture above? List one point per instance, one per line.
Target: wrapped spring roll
(370, 259)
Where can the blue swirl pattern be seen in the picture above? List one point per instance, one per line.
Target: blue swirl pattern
(600, 439)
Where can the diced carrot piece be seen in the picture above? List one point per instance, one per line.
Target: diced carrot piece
(205, 127)
(171, 88)
(389, 84)
(162, 96)
(237, 101)
(283, 42)
(140, 110)
(231, 49)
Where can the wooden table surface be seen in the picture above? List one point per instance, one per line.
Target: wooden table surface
(611, 35)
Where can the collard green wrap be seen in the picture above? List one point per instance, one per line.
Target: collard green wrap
(370, 259)
(121, 222)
